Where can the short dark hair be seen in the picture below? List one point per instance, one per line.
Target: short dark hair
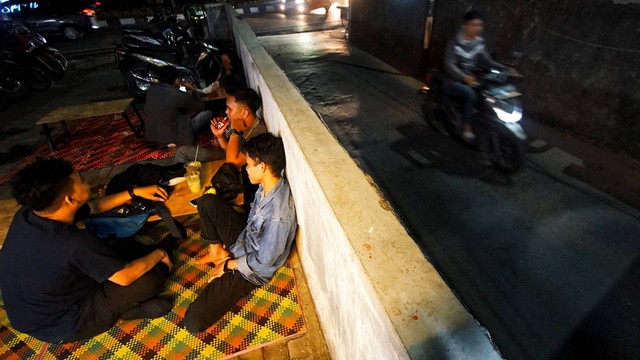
(471, 15)
(249, 98)
(229, 84)
(168, 74)
(268, 149)
(43, 184)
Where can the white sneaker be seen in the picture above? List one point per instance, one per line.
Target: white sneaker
(468, 135)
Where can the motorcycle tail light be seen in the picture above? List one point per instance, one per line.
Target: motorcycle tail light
(88, 12)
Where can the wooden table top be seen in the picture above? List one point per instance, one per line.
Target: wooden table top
(73, 112)
(178, 202)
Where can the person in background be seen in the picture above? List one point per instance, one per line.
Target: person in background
(246, 251)
(60, 283)
(466, 53)
(168, 110)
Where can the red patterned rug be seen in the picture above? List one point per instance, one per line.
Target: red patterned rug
(96, 142)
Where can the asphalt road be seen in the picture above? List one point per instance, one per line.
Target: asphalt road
(547, 267)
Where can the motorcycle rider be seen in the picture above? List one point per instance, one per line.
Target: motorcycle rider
(465, 53)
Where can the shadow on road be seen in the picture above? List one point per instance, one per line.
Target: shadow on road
(425, 148)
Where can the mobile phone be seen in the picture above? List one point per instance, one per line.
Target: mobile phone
(194, 202)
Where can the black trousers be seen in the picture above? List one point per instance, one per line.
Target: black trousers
(219, 224)
(110, 301)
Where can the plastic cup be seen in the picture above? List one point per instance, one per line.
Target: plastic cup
(193, 166)
(193, 180)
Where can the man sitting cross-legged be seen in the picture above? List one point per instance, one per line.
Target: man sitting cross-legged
(60, 283)
(245, 252)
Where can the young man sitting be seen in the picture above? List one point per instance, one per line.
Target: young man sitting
(246, 252)
(243, 124)
(60, 283)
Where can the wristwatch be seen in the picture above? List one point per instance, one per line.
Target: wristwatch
(131, 193)
(235, 132)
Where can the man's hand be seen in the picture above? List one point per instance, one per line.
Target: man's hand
(188, 85)
(471, 80)
(218, 271)
(152, 192)
(217, 132)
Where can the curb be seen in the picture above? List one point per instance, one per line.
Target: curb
(259, 8)
(128, 21)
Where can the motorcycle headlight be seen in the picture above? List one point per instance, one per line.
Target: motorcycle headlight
(505, 111)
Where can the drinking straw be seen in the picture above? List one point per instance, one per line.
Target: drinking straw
(197, 148)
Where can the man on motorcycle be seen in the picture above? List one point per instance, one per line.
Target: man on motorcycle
(168, 110)
(465, 54)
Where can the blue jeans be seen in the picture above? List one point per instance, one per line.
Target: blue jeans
(467, 93)
(200, 122)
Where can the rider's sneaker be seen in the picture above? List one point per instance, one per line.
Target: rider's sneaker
(469, 135)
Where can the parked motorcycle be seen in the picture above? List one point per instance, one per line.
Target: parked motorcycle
(30, 49)
(138, 63)
(499, 111)
(32, 77)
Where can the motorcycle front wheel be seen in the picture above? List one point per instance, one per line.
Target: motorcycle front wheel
(507, 151)
(134, 81)
(38, 79)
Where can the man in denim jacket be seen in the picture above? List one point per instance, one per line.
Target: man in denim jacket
(245, 252)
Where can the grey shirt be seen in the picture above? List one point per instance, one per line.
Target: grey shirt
(464, 56)
(167, 113)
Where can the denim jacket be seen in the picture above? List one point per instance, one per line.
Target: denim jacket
(264, 244)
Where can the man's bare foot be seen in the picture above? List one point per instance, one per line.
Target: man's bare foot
(215, 255)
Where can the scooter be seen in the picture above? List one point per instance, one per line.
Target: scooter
(499, 112)
(29, 48)
(139, 65)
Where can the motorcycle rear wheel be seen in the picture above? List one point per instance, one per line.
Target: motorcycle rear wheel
(14, 88)
(507, 151)
(38, 79)
(4, 100)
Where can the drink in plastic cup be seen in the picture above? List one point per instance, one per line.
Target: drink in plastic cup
(193, 166)
(193, 180)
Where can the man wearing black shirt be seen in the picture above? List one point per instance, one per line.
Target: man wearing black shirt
(60, 283)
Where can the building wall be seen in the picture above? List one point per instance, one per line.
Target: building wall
(392, 30)
(580, 58)
(376, 295)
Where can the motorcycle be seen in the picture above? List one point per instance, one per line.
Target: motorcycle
(32, 77)
(139, 64)
(499, 111)
(29, 48)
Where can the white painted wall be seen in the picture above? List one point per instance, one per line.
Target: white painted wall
(376, 295)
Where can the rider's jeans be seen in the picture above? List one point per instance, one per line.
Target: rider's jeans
(469, 96)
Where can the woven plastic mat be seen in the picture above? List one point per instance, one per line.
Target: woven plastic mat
(270, 313)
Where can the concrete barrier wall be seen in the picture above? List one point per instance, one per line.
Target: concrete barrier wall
(376, 295)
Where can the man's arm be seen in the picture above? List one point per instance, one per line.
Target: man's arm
(450, 65)
(106, 203)
(275, 236)
(233, 154)
(194, 102)
(135, 269)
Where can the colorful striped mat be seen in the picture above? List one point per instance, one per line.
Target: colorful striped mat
(271, 313)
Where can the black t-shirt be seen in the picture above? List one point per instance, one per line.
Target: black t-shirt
(47, 270)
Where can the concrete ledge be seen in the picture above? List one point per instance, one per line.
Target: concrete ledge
(376, 295)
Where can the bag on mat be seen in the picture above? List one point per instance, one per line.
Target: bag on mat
(126, 220)
(227, 182)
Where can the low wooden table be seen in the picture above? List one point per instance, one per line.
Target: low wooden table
(178, 202)
(76, 112)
